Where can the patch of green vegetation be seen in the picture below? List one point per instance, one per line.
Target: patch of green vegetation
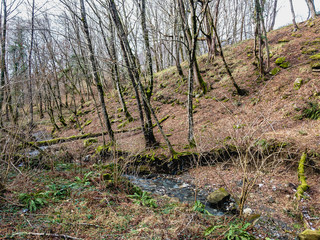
(297, 84)
(33, 201)
(82, 182)
(313, 42)
(309, 51)
(312, 111)
(123, 124)
(281, 61)
(235, 231)
(283, 40)
(200, 207)
(275, 71)
(58, 192)
(88, 142)
(144, 199)
(297, 35)
(315, 57)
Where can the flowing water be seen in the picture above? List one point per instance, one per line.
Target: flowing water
(172, 187)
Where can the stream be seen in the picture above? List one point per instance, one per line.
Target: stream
(172, 187)
(39, 136)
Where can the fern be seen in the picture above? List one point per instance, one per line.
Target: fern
(33, 201)
(144, 199)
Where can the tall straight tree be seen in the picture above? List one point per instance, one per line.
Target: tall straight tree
(94, 65)
(3, 56)
(30, 65)
(191, 33)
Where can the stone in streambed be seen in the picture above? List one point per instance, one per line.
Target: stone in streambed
(310, 235)
(218, 197)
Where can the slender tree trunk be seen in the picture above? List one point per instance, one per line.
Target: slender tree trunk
(293, 16)
(3, 57)
(265, 38)
(29, 66)
(274, 14)
(95, 72)
(189, 37)
(116, 74)
(240, 91)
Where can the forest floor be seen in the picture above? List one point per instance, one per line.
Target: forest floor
(71, 197)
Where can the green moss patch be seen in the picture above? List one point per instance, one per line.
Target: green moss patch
(281, 61)
(275, 71)
(315, 57)
(315, 65)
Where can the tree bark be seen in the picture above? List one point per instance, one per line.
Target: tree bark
(3, 57)
(293, 16)
(96, 76)
(29, 67)
(311, 7)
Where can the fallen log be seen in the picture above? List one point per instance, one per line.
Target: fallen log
(83, 136)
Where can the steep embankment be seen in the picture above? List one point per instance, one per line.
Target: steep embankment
(278, 108)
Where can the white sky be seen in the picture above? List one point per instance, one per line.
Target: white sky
(284, 16)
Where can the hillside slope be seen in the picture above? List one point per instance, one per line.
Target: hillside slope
(273, 110)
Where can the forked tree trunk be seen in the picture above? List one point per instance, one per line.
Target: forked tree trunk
(311, 7)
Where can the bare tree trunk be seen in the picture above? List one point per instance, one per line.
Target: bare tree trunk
(29, 66)
(293, 16)
(3, 57)
(274, 14)
(131, 63)
(240, 91)
(311, 7)
(116, 75)
(265, 37)
(97, 79)
(189, 38)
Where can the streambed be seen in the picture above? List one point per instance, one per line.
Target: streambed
(173, 187)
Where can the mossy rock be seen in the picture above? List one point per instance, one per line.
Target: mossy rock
(310, 235)
(315, 57)
(275, 71)
(218, 197)
(309, 51)
(280, 60)
(297, 84)
(285, 65)
(315, 65)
